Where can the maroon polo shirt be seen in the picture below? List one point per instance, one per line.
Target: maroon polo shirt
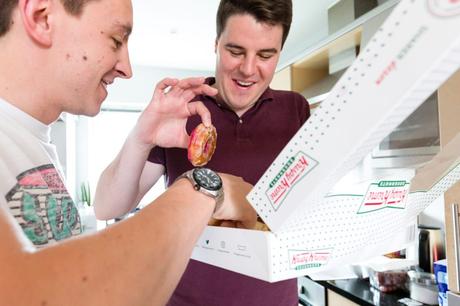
(245, 147)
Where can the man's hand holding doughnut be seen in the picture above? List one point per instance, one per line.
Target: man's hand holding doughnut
(162, 123)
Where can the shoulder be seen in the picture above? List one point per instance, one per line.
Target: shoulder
(288, 95)
(291, 101)
(292, 98)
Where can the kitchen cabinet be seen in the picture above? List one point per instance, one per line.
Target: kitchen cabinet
(449, 108)
(317, 294)
(313, 71)
(315, 66)
(449, 112)
(334, 299)
(282, 79)
(452, 197)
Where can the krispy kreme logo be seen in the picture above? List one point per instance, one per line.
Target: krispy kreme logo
(291, 173)
(307, 259)
(444, 8)
(385, 194)
(392, 66)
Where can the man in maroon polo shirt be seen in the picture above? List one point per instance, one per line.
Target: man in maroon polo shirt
(246, 146)
(253, 124)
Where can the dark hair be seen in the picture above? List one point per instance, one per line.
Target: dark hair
(273, 12)
(73, 7)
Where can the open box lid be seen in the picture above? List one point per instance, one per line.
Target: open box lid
(443, 163)
(410, 56)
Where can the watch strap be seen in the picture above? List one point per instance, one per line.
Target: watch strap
(218, 196)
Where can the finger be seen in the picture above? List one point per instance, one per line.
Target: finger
(205, 90)
(198, 86)
(191, 82)
(179, 93)
(165, 83)
(162, 86)
(198, 108)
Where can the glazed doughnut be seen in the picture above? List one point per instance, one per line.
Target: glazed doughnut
(202, 145)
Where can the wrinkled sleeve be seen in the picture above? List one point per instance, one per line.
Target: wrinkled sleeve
(157, 156)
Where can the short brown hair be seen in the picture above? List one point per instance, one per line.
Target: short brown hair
(73, 7)
(273, 12)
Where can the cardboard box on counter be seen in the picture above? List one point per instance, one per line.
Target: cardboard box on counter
(312, 230)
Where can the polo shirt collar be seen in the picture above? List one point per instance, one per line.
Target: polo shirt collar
(267, 95)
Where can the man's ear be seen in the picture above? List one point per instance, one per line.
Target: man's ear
(36, 19)
(215, 45)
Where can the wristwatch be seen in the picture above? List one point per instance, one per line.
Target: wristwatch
(208, 182)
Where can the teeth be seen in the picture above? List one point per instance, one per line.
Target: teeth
(245, 84)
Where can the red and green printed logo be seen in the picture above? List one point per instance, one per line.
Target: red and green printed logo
(385, 194)
(291, 173)
(305, 259)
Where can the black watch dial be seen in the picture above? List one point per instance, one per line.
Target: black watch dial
(207, 179)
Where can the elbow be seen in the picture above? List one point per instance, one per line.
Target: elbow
(102, 214)
(107, 212)
(102, 211)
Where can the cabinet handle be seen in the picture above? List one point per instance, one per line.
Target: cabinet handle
(456, 241)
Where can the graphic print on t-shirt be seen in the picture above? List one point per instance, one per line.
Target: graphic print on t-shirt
(42, 206)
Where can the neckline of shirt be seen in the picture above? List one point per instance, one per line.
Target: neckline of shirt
(34, 126)
(267, 95)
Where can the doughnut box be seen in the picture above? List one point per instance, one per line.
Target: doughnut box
(315, 226)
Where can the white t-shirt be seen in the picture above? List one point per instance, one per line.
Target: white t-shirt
(31, 182)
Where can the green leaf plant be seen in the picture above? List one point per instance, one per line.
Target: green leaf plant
(85, 193)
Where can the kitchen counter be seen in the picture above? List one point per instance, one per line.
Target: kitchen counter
(362, 293)
(357, 291)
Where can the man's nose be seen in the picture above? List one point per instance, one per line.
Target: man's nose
(123, 66)
(248, 66)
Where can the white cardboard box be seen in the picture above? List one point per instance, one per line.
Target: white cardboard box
(410, 56)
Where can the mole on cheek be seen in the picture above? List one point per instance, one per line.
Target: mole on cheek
(67, 56)
(85, 57)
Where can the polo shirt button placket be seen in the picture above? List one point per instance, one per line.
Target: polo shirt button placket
(238, 127)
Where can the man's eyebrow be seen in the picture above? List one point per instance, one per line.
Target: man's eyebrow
(233, 46)
(268, 50)
(125, 28)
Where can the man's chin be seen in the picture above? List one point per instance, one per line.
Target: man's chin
(92, 114)
(86, 112)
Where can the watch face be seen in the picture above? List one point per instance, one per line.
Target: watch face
(207, 179)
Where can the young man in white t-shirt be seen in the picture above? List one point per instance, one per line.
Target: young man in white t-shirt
(59, 56)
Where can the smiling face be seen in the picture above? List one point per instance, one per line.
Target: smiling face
(247, 55)
(91, 51)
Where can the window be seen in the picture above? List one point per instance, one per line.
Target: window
(105, 135)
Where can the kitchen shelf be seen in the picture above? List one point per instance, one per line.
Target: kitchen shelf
(311, 65)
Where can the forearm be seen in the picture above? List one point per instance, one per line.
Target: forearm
(135, 262)
(118, 188)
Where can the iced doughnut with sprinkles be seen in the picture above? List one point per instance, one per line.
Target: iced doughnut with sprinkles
(202, 145)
